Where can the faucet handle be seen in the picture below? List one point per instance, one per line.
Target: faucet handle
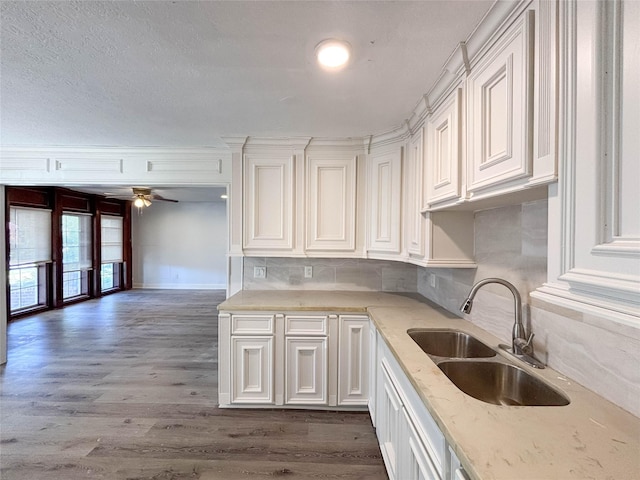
(522, 346)
(529, 340)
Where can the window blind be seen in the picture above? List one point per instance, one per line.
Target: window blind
(76, 242)
(29, 236)
(112, 239)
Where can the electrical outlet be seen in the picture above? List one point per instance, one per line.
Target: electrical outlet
(259, 272)
(308, 271)
(432, 280)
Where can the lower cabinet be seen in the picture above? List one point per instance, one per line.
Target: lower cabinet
(252, 364)
(306, 367)
(293, 359)
(412, 445)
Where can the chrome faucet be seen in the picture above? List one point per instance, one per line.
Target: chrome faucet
(521, 345)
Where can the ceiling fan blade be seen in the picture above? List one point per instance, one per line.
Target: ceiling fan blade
(155, 196)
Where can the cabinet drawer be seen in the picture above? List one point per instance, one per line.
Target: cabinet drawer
(251, 324)
(305, 325)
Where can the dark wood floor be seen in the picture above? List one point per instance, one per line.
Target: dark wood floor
(125, 388)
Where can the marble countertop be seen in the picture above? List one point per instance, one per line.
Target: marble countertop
(591, 438)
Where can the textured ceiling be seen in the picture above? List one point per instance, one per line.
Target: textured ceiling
(178, 73)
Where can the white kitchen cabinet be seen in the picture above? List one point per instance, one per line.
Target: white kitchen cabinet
(384, 192)
(416, 464)
(456, 470)
(306, 349)
(251, 357)
(594, 226)
(269, 199)
(331, 203)
(353, 360)
(412, 445)
(443, 159)
(389, 422)
(414, 221)
(293, 359)
(373, 371)
(499, 110)
(306, 371)
(252, 367)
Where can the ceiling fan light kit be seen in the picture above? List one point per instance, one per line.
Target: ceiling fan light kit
(143, 196)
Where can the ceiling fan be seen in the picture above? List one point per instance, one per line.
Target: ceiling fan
(142, 197)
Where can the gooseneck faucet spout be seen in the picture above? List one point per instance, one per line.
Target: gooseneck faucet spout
(520, 344)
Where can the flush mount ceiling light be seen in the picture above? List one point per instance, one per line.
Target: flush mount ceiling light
(333, 54)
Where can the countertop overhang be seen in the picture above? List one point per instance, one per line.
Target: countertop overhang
(591, 438)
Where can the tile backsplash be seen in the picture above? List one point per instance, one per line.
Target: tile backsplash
(330, 274)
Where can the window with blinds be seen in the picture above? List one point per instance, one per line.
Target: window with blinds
(112, 239)
(29, 252)
(77, 258)
(29, 236)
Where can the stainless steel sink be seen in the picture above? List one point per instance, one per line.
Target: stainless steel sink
(501, 384)
(450, 343)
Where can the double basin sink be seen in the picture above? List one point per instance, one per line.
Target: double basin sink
(475, 369)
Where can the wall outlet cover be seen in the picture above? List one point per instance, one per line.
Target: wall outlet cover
(259, 272)
(308, 271)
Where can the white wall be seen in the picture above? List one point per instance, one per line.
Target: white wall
(511, 243)
(180, 245)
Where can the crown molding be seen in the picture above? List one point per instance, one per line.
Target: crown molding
(75, 151)
(392, 137)
(235, 144)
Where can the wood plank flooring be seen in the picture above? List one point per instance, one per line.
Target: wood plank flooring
(125, 387)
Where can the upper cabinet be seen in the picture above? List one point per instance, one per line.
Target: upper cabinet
(269, 198)
(444, 152)
(385, 190)
(594, 226)
(492, 120)
(331, 202)
(499, 110)
(413, 197)
(299, 198)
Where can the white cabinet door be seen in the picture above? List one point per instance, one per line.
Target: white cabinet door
(306, 371)
(268, 207)
(252, 370)
(353, 366)
(416, 464)
(331, 203)
(456, 471)
(443, 156)
(373, 371)
(390, 423)
(385, 183)
(499, 110)
(414, 221)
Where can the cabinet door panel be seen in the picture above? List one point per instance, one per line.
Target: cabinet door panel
(384, 199)
(443, 159)
(252, 369)
(413, 172)
(353, 364)
(331, 203)
(416, 465)
(306, 371)
(390, 423)
(268, 211)
(500, 114)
